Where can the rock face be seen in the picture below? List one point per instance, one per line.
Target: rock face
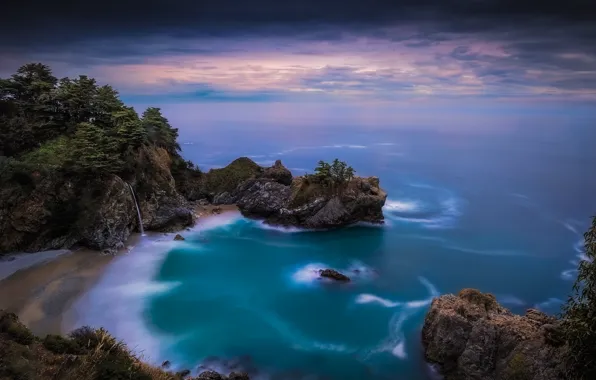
(334, 275)
(272, 194)
(50, 211)
(471, 337)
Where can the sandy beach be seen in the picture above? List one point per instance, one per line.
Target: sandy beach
(42, 287)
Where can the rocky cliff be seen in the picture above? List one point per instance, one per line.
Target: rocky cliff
(274, 195)
(49, 209)
(470, 336)
(42, 210)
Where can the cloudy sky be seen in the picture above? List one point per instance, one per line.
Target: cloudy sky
(374, 51)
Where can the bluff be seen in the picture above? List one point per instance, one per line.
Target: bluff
(470, 336)
(274, 195)
(51, 209)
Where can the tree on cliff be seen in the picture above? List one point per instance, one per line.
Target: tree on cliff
(336, 173)
(579, 314)
(159, 130)
(77, 125)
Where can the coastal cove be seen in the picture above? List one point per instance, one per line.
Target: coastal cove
(353, 249)
(238, 294)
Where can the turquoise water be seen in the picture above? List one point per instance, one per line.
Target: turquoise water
(502, 212)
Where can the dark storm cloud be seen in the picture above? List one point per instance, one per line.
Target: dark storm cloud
(270, 49)
(39, 22)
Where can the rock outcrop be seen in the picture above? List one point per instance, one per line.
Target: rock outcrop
(274, 195)
(471, 337)
(334, 275)
(50, 210)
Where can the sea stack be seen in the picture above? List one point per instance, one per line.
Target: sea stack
(309, 201)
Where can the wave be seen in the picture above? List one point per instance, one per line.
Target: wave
(371, 298)
(401, 206)
(569, 274)
(487, 252)
(291, 230)
(334, 146)
(443, 215)
(510, 300)
(308, 274)
(415, 304)
(117, 302)
(395, 343)
(224, 220)
(550, 305)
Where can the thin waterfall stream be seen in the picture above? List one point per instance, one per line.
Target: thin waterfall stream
(134, 197)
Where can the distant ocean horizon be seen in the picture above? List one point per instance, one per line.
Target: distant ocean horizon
(502, 210)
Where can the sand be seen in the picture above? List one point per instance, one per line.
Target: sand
(42, 287)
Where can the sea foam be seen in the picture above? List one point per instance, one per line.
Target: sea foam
(118, 301)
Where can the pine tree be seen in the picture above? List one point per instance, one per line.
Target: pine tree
(159, 130)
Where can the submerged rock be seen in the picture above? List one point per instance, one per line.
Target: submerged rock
(179, 237)
(334, 275)
(472, 337)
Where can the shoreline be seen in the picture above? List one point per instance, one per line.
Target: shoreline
(42, 287)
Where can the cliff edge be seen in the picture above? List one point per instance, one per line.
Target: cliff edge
(470, 336)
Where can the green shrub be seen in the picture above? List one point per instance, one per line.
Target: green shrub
(228, 178)
(579, 315)
(61, 345)
(53, 153)
(17, 362)
(119, 368)
(10, 325)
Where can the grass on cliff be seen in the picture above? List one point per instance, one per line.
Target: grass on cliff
(87, 354)
(229, 177)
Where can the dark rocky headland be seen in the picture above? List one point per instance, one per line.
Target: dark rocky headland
(470, 336)
(49, 210)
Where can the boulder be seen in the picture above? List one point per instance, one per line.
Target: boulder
(334, 275)
(470, 336)
(179, 237)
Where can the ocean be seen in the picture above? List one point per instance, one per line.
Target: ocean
(498, 209)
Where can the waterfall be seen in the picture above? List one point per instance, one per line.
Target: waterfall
(134, 198)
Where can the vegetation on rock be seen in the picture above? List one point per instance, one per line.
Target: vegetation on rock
(579, 314)
(461, 333)
(74, 125)
(69, 149)
(336, 173)
(86, 354)
(226, 179)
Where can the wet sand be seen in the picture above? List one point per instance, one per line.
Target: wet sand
(42, 293)
(42, 287)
